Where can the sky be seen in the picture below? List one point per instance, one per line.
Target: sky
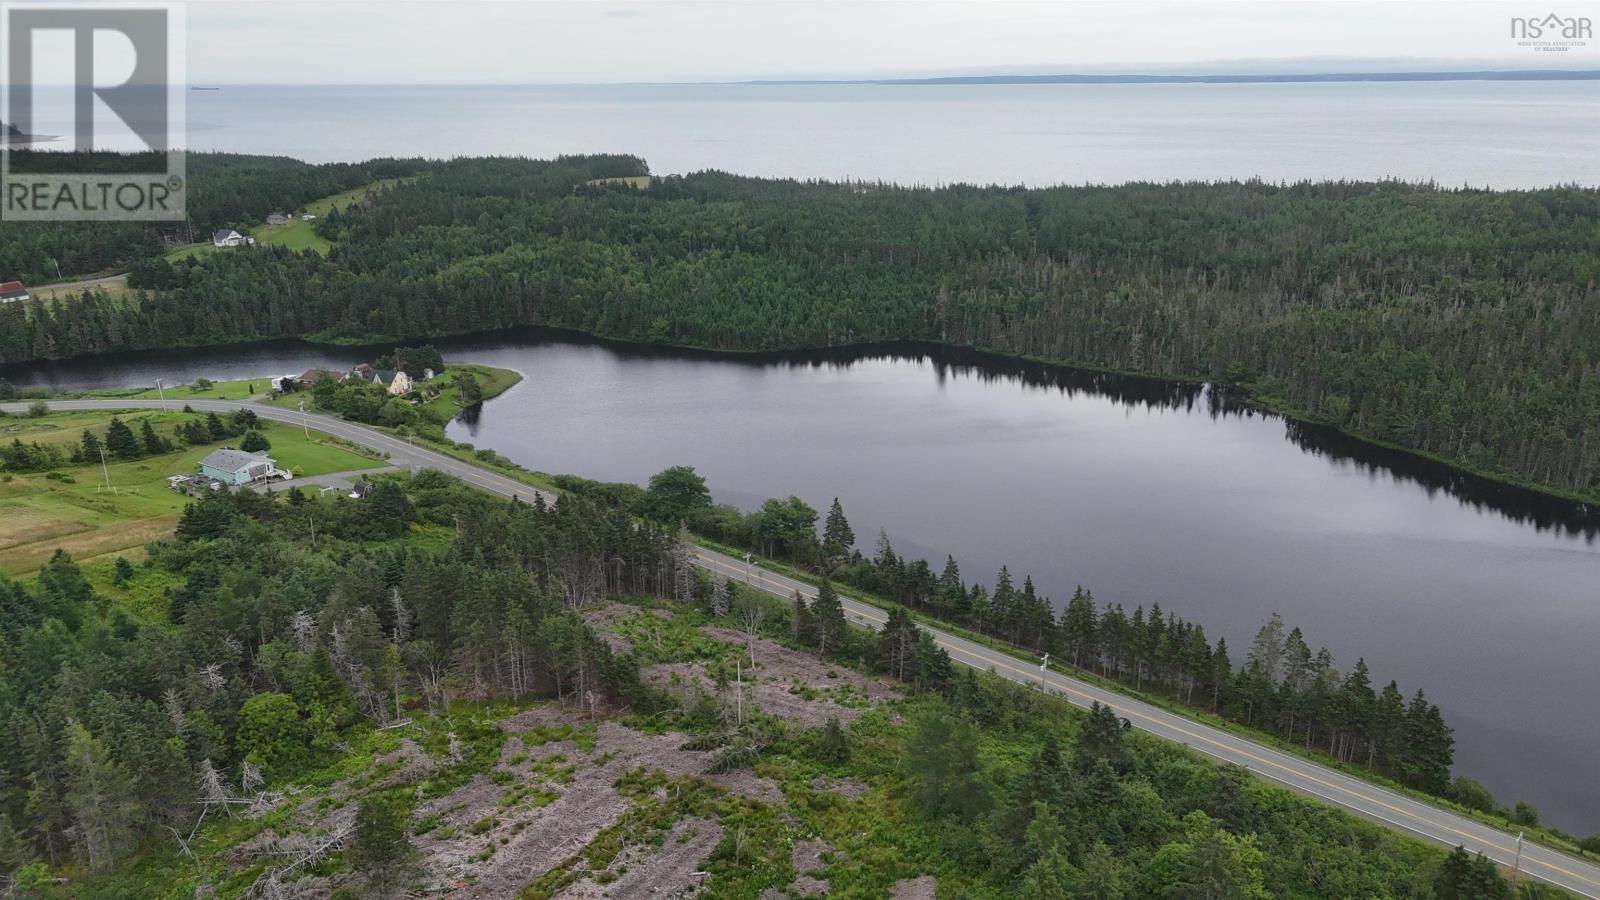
(486, 42)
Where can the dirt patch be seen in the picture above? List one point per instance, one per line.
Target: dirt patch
(747, 784)
(664, 871)
(852, 788)
(921, 888)
(787, 683)
(411, 764)
(525, 840)
(806, 857)
(601, 616)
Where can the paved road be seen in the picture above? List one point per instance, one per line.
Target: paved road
(1386, 807)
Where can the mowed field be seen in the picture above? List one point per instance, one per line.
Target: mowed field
(297, 234)
(113, 286)
(72, 509)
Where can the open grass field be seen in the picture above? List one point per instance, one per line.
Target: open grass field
(75, 511)
(178, 394)
(113, 286)
(297, 234)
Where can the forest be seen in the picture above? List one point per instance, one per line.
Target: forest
(156, 723)
(225, 191)
(1459, 323)
(1278, 685)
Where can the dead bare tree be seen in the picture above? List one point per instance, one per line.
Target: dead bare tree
(751, 619)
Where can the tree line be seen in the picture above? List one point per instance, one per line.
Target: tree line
(1278, 686)
(1461, 323)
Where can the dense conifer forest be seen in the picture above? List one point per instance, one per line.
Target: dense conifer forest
(1458, 322)
(195, 725)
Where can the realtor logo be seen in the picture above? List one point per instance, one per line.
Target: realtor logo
(109, 79)
(1551, 33)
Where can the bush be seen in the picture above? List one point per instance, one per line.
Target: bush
(1471, 794)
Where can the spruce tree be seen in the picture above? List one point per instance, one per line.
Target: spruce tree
(153, 443)
(215, 428)
(837, 538)
(380, 847)
(120, 441)
(90, 447)
(827, 620)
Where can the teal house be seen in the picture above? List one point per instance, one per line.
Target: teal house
(231, 466)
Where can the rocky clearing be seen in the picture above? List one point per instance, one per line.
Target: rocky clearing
(557, 786)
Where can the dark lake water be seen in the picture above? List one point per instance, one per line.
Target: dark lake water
(1142, 491)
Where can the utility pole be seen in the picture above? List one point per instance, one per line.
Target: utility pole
(104, 470)
(738, 690)
(1516, 868)
(303, 424)
(160, 389)
(749, 566)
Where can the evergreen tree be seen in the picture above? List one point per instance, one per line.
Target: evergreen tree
(254, 442)
(120, 440)
(1430, 747)
(100, 798)
(1099, 737)
(215, 428)
(380, 846)
(1463, 876)
(800, 620)
(153, 443)
(837, 538)
(90, 447)
(828, 624)
(833, 745)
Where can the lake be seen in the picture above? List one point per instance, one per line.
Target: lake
(1480, 133)
(1143, 491)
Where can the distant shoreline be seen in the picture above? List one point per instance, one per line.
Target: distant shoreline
(1339, 77)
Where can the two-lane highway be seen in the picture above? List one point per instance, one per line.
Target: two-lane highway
(1391, 809)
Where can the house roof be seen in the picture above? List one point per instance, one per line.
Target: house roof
(384, 376)
(7, 287)
(229, 460)
(223, 234)
(312, 375)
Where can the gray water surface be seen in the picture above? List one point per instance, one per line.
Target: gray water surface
(1479, 133)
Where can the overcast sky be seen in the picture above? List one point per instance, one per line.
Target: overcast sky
(481, 41)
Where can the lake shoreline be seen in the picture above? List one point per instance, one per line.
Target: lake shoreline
(1588, 505)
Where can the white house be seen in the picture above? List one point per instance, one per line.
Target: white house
(308, 217)
(12, 292)
(227, 237)
(397, 382)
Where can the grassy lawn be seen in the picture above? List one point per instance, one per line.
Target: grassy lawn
(179, 394)
(74, 512)
(297, 234)
(114, 288)
(493, 381)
